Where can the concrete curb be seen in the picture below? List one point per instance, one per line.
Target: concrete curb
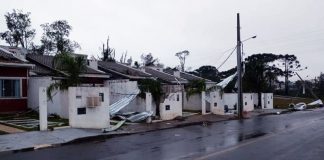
(104, 136)
(107, 136)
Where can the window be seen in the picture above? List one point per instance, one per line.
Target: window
(9, 88)
(178, 97)
(215, 104)
(245, 103)
(167, 107)
(81, 111)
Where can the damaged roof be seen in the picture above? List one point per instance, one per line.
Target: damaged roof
(8, 59)
(165, 76)
(188, 76)
(44, 66)
(122, 70)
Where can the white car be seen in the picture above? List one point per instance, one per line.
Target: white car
(300, 106)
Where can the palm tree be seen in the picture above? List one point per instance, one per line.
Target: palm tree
(71, 67)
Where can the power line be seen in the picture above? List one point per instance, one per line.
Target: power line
(223, 53)
(226, 58)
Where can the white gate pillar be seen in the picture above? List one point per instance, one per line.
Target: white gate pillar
(42, 109)
(203, 102)
(148, 105)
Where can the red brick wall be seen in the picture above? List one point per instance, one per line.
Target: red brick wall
(13, 72)
(13, 105)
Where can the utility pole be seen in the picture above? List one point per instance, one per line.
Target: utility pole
(239, 70)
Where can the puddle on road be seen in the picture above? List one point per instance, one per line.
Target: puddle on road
(243, 136)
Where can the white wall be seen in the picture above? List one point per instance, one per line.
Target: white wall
(262, 100)
(171, 107)
(192, 103)
(33, 88)
(255, 99)
(230, 99)
(248, 102)
(217, 102)
(59, 103)
(94, 117)
(268, 100)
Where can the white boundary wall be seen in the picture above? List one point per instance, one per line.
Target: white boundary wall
(217, 103)
(59, 103)
(230, 99)
(81, 115)
(268, 101)
(193, 102)
(171, 107)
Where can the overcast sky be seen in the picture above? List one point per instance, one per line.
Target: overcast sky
(206, 28)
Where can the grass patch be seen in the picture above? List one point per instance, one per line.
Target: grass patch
(30, 114)
(282, 102)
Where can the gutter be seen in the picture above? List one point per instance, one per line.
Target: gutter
(121, 74)
(94, 76)
(17, 65)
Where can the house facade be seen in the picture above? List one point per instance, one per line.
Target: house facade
(192, 102)
(14, 76)
(44, 74)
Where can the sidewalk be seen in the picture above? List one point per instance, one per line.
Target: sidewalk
(42, 139)
(8, 129)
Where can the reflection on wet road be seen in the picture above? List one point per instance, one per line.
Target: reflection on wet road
(224, 140)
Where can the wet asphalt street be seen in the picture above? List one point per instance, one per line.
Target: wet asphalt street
(292, 136)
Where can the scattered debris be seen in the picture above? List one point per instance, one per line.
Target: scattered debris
(40, 146)
(122, 103)
(300, 106)
(130, 117)
(317, 102)
(115, 127)
(139, 117)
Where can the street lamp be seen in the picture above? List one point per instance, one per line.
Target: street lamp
(249, 38)
(239, 68)
(253, 37)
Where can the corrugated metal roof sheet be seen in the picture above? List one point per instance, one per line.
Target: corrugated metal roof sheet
(187, 76)
(165, 76)
(47, 61)
(123, 70)
(122, 103)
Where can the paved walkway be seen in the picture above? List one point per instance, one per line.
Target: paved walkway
(39, 139)
(8, 129)
(192, 120)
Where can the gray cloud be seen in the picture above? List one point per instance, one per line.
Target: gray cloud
(204, 27)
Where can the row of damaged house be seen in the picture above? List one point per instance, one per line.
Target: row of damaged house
(122, 82)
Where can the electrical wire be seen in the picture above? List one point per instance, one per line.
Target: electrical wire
(226, 59)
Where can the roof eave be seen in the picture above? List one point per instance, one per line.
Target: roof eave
(22, 65)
